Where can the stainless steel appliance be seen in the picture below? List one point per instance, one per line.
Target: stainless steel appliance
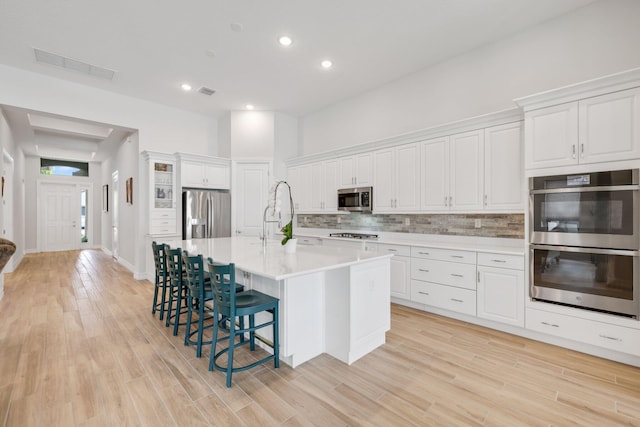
(205, 214)
(355, 235)
(358, 199)
(584, 240)
(597, 209)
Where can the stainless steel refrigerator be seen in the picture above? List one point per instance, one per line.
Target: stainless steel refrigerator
(206, 213)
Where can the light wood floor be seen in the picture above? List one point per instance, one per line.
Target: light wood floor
(79, 346)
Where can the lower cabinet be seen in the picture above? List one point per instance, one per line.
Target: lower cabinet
(501, 290)
(613, 337)
(443, 296)
(400, 269)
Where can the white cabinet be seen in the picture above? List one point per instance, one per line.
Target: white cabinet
(444, 279)
(400, 269)
(162, 218)
(592, 130)
(396, 179)
(299, 179)
(467, 170)
(452, 172)
(501, 289)
(355, 171)
(503, 168)
(324, 188)
(204, 175)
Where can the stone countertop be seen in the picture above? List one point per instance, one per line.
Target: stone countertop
(248, 254)
(463, 243)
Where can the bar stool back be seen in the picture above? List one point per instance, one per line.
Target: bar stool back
(199, 294)
(160, 259)
(228, 303)
(178, 289)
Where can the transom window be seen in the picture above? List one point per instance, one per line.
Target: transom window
(63, 167)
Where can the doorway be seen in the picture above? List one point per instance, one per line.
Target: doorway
(8, 185)
(114, 216)
(252, 188)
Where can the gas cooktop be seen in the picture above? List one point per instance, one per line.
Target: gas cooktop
(354, 235)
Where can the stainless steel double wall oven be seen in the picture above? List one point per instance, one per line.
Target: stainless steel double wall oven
(585, 242)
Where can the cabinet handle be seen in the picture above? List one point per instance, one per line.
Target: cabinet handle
(485, 200)
(550, 324)
(581, 150)
(610, 338)
(457, 256)
(478, 277)
(422, 269)
(392, 250)
(456, 300)
(498, 260)
(445, 201)
(573, 151)
(423, 253)
(456, 275)
(423, 293)
(450, 201)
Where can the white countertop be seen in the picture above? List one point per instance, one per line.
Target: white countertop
(463, 243)
(248, 255)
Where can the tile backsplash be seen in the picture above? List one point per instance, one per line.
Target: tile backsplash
(491, 225)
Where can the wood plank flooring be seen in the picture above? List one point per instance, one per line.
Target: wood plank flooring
(79, 346)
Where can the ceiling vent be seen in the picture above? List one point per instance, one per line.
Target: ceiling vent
(206, 91)
(72, 64)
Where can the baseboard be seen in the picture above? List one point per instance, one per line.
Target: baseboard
(31, 251)
(106, 251)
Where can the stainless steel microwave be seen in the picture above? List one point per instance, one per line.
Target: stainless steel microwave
(358, 199)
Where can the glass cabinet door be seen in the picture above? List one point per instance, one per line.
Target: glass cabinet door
(163, 181)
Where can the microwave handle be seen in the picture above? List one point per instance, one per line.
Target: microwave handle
(585, 250)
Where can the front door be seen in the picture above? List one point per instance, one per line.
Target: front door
(60, 217)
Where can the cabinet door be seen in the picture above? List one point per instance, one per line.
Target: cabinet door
(363, 175)
(401, 277)
(434, 174)
(504, 176)
(609, 127)
(216, 176)
(407, 177)
(347, 172)
(551, 136)
(299, 179)
(330, 185)
(501, 295)
(317, 187)
(383, 180)
(467, 170)
(192, 174)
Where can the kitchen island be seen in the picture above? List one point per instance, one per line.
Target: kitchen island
(332, 300)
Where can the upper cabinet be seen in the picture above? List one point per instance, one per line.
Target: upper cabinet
(314, 187)
(503, 168)
(592, 122)
(396, 179)
(204, 172)
(355, 171)
(161, 168)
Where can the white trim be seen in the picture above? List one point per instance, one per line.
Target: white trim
(202, 159)
(473, 123)
(126, 264)
(606, 84)
(106, 251)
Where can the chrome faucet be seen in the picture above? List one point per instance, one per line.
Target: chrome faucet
(265, 221)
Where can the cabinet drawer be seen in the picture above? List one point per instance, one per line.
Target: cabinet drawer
(515, 262)
(163, 214)
(399, 250)
(444, 272)
(447, 297)
(466, 257)
(162, 226)
(612, 337)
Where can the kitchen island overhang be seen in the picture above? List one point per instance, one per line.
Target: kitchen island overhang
(332, 300)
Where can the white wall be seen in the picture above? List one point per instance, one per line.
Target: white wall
(252, 134)
(600, 39)
(286, 144)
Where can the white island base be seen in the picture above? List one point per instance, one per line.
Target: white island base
(332, 300)
(343, 312)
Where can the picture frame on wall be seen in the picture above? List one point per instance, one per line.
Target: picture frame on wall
(105, 198)
(129, 185)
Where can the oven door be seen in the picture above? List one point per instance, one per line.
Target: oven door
(599, 279)
(604, 217)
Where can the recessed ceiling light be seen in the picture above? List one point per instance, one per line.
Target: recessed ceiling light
(249, 106)
(186, 87)
(326, 64)
(237, 27)
(210, 53)
(285, 41)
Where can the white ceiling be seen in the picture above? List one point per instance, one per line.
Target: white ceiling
(155, 45)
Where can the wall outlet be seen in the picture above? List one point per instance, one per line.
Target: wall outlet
(407, 221)
(338, 220)
(478, 223)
